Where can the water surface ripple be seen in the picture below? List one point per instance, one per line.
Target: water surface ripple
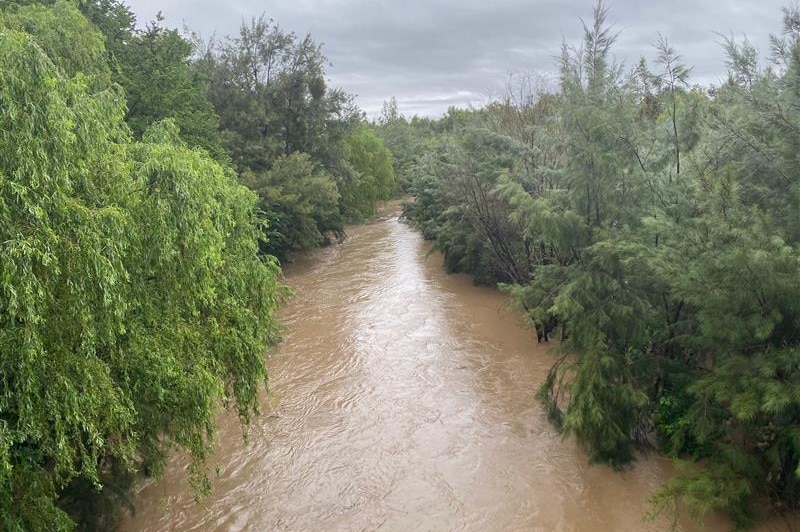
(401, 399)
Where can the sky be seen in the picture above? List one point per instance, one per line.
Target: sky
(438, 53)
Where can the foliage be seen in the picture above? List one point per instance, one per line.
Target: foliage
(301, 203)
(655, 222)
(115, 21)
(133, 302)
(138, 278)
(161, 81)
(457, 204)
(661, 230)
(68, 39)
(282, 123)
(373, 176)
(403, 142)
(269, 89)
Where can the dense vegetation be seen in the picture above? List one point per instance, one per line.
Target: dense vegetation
(149, 184)
(138, 278)
(658, 224)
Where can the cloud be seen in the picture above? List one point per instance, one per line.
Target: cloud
(437, 53)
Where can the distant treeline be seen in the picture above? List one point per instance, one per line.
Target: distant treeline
(657, 224)
(138, 277)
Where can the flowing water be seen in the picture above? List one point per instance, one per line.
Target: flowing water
(401, 399)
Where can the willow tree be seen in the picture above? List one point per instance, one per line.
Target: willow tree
(68, 38)
(373, 178)
(133, 303)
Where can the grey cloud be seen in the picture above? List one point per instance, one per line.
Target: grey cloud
(432, 54)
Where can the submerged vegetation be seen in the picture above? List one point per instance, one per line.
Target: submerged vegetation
(657, 224)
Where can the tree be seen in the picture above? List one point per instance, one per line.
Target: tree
(116, 22)
(133, 299)
(269, 89)
(290, 134)
(301, 203)
(373, 177)
(405, 141)
(68, 39)
(161, 81)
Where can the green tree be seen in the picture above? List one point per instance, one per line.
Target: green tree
(373, 178)
(661, 228)
(161, 81)
(68, 39)
(301, 203)
(269, 89)
(286, 130)
(399, 137)
(116, 22)
(133, 299)
(741, 242)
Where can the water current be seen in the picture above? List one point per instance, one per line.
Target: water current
(402, 398)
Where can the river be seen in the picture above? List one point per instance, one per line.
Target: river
(401, 399)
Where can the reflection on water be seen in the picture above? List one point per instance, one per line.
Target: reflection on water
(401, 399)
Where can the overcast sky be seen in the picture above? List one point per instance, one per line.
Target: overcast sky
(436, 53)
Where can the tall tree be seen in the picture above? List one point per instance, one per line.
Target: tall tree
(133, 302)
(269, 89)
(373, 178)
(161, 81)
(664, 226)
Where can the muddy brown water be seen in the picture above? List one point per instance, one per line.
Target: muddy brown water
(402, 398)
